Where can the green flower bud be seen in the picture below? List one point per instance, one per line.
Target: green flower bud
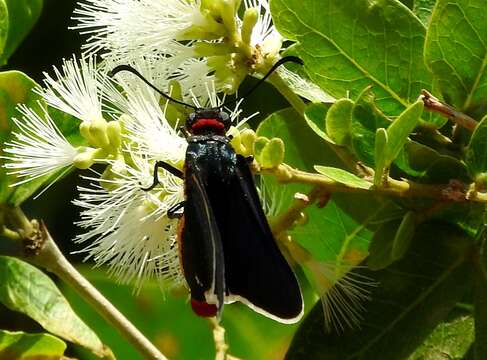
(229, 15)
(251, 16)
(98, 131)
(204, 49)
(87, 157)
(236, 139)
(84, 130)
(247, 139)
(114, 134)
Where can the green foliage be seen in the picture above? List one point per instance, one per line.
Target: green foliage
(361, 43)
(22, 16)
(476, 158)
(451, 339)
(425, 255)
(22, 346)
(26, 289)
(400, 315)
(174, 328)
(375, 57)
(458, 31)
(15, 88)
(338, 121)
(423, 10)
(343, 177)
(345, 238)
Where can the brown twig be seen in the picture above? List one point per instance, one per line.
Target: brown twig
(431, 103)
(397, 188)
(36, 246)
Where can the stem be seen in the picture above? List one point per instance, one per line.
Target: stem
(293, 99)
(221, 346)
(49, 257)
(294, 213)
(431, 103)
(454, 192)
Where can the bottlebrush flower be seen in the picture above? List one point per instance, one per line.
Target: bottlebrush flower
(199, 40)
(38, 147)
(126, 128)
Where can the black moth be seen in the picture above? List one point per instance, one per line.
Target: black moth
(227, 249)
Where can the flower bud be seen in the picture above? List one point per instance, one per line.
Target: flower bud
(251, 16)
(114, 134)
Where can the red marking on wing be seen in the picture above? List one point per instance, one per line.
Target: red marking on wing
(213, 123)
(202, 308)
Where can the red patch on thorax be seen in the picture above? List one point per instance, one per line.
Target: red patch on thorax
(202, 308)
(213, 123)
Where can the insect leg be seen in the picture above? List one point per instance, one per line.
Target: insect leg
(167, 167)
(184, 132)
(172, 212)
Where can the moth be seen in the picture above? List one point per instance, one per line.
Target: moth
(227, 249)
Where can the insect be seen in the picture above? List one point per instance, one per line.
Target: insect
(227, 249)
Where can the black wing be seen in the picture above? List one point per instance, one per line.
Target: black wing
(201, 247)
(256, 272)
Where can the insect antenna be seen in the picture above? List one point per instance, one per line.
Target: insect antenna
(130, 69)
(282, 61)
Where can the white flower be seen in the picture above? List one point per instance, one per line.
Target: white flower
(264, 33)
(304, 87)
(128, 227)
(38, 148)
(75, 90)
(135, 28)
(342, 292)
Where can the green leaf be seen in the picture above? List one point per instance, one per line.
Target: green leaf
(480, 313)
(450, 340)
(430, 166)
(339, 232)
(366, 119)
(412, 160)
(483, 257)
(22, 346)
(315, 115)
(339, 121)
(379, 151)
(23, 15)
(404, 235)
(343, 177)
(15, 88)
(423, 10)
(414, 295)
(399, 130)
(456, 52)
(173, 326)
(476, 157)
(354, 44)
(3, 26)
(380, 249)
(408, 3)
(28, 290)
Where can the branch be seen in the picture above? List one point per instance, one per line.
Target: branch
(455, 191)
(431, 103)
(38, 247)
(294, 214)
